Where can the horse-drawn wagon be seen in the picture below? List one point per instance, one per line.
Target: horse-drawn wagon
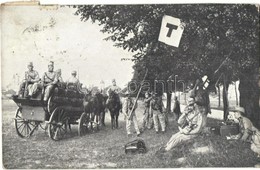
(63, 109)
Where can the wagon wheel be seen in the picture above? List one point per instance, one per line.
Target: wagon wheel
(51, 105)
(58, 124)
(83, 124)
(24, 128)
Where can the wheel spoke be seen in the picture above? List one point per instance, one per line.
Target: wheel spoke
(32, 124)
(23, 128)
(55, 133)
(19, 116)
(20, 126)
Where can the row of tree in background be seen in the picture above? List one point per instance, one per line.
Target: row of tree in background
(219, 41)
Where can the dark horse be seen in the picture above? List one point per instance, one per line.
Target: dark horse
(94, 105)
(114, 106)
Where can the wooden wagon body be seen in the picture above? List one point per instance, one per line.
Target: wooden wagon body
(63, 109)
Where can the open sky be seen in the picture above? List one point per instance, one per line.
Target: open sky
(30, 33)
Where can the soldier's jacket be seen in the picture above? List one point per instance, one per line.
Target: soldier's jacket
(50, 77)
(201, 98)
(32, 75)
(147, 102)
(73, 80)
(114, 88)
(157, 105)
(245, 127)
(128, 105)
(194, 120)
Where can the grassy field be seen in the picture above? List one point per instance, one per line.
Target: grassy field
(105, 149)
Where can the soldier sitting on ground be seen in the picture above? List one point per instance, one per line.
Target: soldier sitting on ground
(191, 123)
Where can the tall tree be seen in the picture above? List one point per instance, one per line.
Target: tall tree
(214, 35)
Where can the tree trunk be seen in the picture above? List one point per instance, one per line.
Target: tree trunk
(219, 99)
(236, 94)
(225, 98)
(169, 100)
(249, 95)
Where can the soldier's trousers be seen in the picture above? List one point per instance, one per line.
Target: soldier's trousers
(158, 117)
(147, 119)
(32, 88)
(47, 92)
(177, 139)
(129, 123)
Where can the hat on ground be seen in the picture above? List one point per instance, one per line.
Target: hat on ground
(30, 64)
(240, 109)
(74, 72)
(51, 63)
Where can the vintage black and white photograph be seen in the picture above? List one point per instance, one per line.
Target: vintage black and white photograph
(130, 86)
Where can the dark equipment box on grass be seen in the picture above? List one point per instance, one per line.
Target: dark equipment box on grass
(227, 130)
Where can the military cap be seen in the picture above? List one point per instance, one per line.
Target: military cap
(30, 64)
(191, 101)
(113, 80)
(73, 72)
(51, 63)
(240, 109)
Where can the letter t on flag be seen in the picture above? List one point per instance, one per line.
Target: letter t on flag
(171, 31)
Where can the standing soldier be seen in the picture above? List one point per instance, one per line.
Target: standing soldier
(157, 110)
(49, 80)
(201, 98)
(147, 116)
(30, 83)
(127, 107)
(176, 108)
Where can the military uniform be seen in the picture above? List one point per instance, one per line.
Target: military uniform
(191, 124)
(49, 80)
(147, 117)
(32, 78)
(157, 110)
(58, 72)
(245, 125)
(176, 109)
(127, 107)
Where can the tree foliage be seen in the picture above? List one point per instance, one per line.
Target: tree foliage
(214, 35)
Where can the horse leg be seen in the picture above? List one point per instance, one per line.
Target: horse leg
(117, 120)
(92, 120)
(112, 120)
(103, 117)
(97, 120)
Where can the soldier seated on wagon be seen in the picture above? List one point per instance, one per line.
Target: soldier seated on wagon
(73, 82)
(60, 82)
(49, 81)
(29, 85)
